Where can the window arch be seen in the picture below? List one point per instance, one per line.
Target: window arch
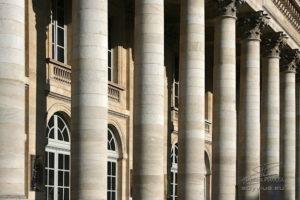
(174, 172)
(57, 159)
(112, 166)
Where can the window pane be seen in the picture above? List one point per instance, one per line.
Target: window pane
(60, 37)
(51, 177)
(65, 135)
(113, 181)
(67, 177)
(46, 176)
(60, 17)
(67, 159)
(60, 161)
(109, 74)
(113, 196)
(108, 196)
(60, 194)
(50, 193)
(109, 168)
(113, 146)
(66, 194)
(59, 134)
(60, 178)
(51, 160)
(109, 183)
(60, 54)
(51, 134)
(113, 171)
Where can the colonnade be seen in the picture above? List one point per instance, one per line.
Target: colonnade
(265, 129)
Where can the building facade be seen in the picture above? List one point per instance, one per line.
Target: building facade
(149, 99)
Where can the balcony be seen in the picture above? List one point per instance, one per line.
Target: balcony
(114, 92)
(59, 81)
(174, 115)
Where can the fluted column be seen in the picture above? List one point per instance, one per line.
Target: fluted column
(12, 99)
(191, 102)
(224, 103)
(89, 100)
(148, 116)
(249, 106)
(270, 115)
(288, 123)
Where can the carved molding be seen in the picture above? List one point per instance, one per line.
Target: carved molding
(289, 61)
(252, 25)
(291, 10)
(272, 44)
(228, 7)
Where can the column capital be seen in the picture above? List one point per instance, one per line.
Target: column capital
(252, 24)
(272, 44)
(228, 7)
(289, 61)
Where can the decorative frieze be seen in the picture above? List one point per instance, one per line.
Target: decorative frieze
(228, 7)
(272, 44)
(291, 10)
(290, 60)
(252, 25)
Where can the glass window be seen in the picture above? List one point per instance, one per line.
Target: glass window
(176, 83)
(112, 166)
(110, 63)
(57, 160)
(174, 171)
(58, 30)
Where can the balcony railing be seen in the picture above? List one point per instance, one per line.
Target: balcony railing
(208, 124)
(59, 72)
(114, 92)
(59, 75)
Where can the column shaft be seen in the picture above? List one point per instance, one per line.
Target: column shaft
(89, 100)
(298, 137)
(270, 118)
(249, 106)
(224, 107)
(288, 134)
(12, 99)
(249, 119)
(191, 102)
(148, 122)
(288, 125)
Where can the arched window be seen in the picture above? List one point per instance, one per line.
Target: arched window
(174, 171)
(112, 166)
(57, 159)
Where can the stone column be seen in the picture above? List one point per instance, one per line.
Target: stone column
(89, 100)
(12, 99)
(298, 133)
(191, 162)
(224, 103)
(270, 114)
(249, 106)
(288, 123)
(148, 122)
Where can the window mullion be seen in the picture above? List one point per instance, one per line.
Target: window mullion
(56, 176)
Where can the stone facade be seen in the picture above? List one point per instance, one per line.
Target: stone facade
(110, 100)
